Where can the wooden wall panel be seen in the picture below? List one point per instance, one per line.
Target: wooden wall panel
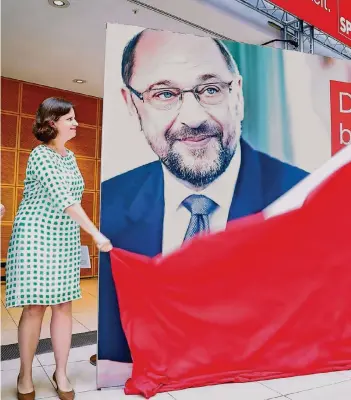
(98, 174)
(22, 166)
(9, 123)
(19, 196)
(27, 141)
(88, 201)
(97, 209)
(88, 272)
(8, 164)
(99, 144)
(6, 231)
(95, 266)
(88, 170)
(8, 200)
(33, 95)
(10, 95)
(101, 106)
(19, 104)
(84, 144)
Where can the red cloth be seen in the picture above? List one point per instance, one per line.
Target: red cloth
(262, 300)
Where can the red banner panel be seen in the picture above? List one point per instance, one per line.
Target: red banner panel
(330, 16)
(243, 305)
(340, 106)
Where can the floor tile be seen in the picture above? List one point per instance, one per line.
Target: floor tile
(306, 382)
(3, 308)
(15, 313)
(113, 373)
(6, 321)
(339, 391)
(9, 336)
(8, 324)
(86, 304)
(89, 320)
(45, 331)
(247, 391)
(77, 327)
(43, 386)
(81, 374)
(347, 373)
(15, 364)
(76, 354)
(90, 286)
(117, 394)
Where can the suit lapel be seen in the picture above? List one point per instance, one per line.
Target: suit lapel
(248, 197)
(144, 232)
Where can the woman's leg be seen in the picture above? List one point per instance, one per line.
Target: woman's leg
(28, 337)
(61, 336)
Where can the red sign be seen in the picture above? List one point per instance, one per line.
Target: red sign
(333, 17)
(340, 105)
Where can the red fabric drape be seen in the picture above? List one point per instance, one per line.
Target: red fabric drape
(262, 300)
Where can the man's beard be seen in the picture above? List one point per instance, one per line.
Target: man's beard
(201, 173)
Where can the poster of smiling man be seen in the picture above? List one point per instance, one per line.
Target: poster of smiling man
(198, 132)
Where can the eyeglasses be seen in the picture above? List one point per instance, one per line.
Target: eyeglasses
(208, 94)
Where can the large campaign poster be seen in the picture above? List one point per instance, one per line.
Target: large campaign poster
(196, 122)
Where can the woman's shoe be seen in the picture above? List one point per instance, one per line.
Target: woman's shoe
(93, 360)
(25, 396)
(62, 395)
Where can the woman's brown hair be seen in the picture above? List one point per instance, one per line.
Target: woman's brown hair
(50, 110)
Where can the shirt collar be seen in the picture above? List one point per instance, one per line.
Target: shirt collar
(220, 191)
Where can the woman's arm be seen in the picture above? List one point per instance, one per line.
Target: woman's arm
(41, 166)
(77, 213)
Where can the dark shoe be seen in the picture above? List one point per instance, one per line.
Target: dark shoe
(25, 396)
(63, 395)
(93, 360)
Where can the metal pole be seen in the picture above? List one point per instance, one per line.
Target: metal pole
(300, 35)
(312, 40)
(285, 37)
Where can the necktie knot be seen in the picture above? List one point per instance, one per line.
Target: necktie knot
(199, 205)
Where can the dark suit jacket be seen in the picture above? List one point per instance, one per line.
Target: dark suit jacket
(132, 209)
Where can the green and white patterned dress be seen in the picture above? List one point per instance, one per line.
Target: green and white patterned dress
(44, 255)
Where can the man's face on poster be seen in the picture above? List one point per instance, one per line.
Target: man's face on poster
(188, 102)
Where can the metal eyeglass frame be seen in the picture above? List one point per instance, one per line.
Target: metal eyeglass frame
(193, 90)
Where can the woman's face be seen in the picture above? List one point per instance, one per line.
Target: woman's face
(66, 126)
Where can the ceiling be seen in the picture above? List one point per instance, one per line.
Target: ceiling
(52, 46)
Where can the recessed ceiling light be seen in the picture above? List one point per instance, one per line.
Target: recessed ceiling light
(59, 3)
(79, 81)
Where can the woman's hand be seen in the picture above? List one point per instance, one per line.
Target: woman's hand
(105, 247)
(102, 243)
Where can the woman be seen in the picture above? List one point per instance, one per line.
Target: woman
(43, 263)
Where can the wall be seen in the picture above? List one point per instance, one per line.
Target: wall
(19, 101)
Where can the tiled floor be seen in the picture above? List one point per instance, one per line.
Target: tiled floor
(331, 386)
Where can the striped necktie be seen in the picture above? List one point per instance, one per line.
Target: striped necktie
(200, 208)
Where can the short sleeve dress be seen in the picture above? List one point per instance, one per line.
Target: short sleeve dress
(44, 254)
